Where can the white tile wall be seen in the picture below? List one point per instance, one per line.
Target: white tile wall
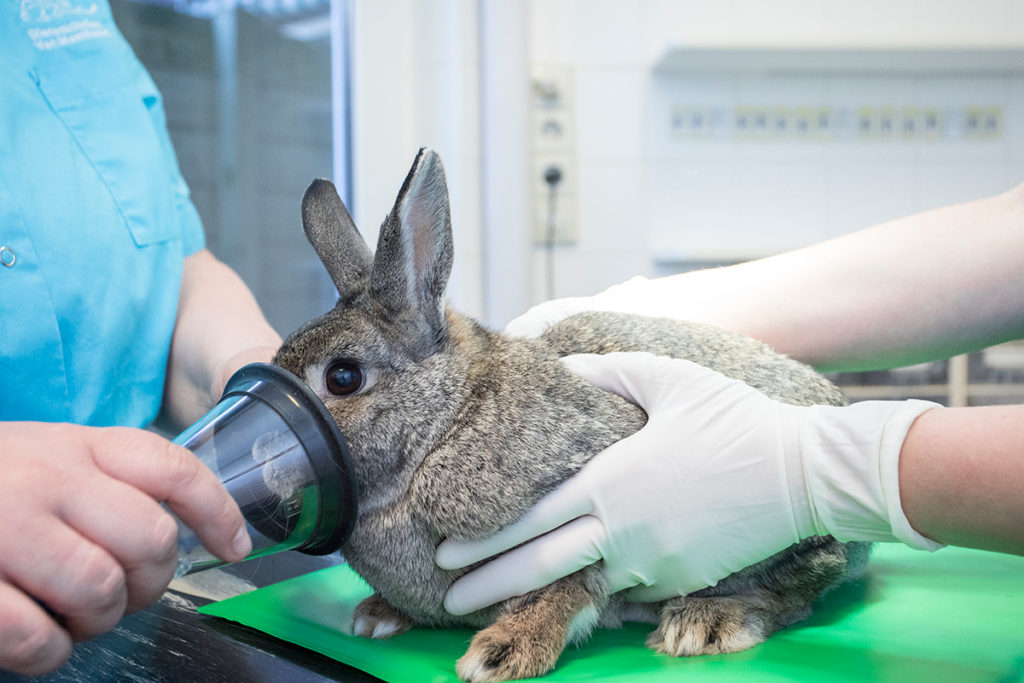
(580, 273)
(603, 33)
(1015, 22)
(684, 23)
(637, 179)
(873, 21)
(965, 181)
(721, 198)
(618, 220)
(415, 84)
(862, 193)
(619, 94)
(753, 20)
(980, 21)
(693, 201)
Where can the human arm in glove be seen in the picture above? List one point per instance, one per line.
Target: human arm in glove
(722, 477)
(923, 287)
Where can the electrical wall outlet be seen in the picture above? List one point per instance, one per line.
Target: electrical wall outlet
(552, 132)
(553, 146)
(554, 217)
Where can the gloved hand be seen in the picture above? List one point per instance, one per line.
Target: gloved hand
(637, 295)
(720, 478)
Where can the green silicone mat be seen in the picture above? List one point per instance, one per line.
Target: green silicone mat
(955, 615)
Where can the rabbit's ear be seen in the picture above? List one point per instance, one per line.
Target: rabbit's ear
(333, 234)
(414, 251)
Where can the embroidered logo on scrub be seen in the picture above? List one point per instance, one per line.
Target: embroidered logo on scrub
(37, 11)
(46, 11)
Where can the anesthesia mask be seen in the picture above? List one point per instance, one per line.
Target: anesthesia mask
(275, 448)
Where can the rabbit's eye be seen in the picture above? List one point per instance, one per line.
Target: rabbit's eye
(343, 379)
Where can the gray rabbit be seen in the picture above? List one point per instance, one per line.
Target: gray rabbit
(456, 430)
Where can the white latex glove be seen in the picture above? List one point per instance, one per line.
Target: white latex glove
(637, 295)
(720, 478)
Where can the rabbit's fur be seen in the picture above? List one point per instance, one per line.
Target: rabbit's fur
(457, 430)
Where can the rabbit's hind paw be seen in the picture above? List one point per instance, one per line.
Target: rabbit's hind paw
(528, 637)
(500, 653)
(705, 626)
(376, 618)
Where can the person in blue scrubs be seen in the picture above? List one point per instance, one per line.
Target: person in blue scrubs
(111, 312)
(738, 476)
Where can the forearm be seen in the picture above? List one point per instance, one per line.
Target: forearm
(219, 328)
(919, 288)
(961, 476)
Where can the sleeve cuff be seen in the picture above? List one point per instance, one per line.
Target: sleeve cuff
(893, 435)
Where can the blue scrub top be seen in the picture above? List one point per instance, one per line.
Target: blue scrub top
(95, 220)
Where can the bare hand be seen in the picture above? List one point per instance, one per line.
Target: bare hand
(85, 535)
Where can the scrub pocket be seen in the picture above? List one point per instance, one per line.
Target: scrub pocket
(117, 124)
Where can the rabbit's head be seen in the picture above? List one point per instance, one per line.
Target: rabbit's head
(382, 360)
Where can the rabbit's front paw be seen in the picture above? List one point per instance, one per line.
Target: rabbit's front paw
(502, 653)
(376, 618)
(705, 626)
